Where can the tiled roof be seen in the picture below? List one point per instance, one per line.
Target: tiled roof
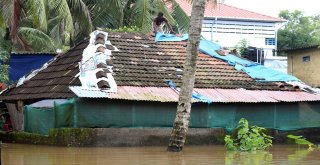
(301, 48)
(225, 11)
(140, 63)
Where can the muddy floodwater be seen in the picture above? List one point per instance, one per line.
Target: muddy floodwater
(21, 154)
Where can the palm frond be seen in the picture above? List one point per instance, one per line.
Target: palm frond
(142, 15)
(2, 20)
(81, 14)
(182, 19)
(37, 39)
(62, 9)
(26, 21)
(6, 9)
(37, 9)
(107, 13)
(4, 43)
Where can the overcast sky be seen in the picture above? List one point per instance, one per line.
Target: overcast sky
(273, 7)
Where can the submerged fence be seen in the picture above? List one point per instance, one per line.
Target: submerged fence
(100, 113)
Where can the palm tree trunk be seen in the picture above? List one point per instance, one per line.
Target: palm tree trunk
(181, 123)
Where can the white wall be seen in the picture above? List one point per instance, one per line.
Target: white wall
(229, 32)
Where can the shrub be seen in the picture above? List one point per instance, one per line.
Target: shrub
(247, 138)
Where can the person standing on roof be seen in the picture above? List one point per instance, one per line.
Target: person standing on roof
(157, 24)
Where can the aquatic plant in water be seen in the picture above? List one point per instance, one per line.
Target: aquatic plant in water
(247, 138)
(300, 140)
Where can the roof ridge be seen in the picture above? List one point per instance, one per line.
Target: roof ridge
(227, 11)
(250, 11)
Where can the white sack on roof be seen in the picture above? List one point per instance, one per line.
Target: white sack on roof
(96, 66)
(94, 34)
(87, 52)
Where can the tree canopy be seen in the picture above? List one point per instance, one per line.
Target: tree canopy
(299, 31)
(43, 25)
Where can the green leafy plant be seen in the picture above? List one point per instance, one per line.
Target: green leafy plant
(242, 47)
(300, 140)
(4, 55)
(247, 138)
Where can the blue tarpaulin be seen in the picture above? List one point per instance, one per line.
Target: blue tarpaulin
(170, 37)
(21, 64)
(209, 48)
(254, 70)
(195, 95)
(265, 74)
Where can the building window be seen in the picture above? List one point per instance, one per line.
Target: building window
(270, 41)
(305, 58)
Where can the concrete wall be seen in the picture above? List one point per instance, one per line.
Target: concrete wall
(112, 137)
(120, 137)
(307, 71)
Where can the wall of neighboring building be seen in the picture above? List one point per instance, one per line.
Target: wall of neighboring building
(229, 32)
(304, 64)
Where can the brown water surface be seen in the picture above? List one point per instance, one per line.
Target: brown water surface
(21, 154)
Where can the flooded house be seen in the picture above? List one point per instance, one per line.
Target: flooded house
(136, 85)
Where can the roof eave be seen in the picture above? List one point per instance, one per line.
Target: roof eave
(301, 48)
(243, 19)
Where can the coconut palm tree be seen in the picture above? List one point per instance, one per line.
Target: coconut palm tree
(181, 122)
(43, 25)
(140, 13)
(35, 24)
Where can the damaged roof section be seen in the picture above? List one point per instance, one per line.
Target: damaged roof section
(140, 62)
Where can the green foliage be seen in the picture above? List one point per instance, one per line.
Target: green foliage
(40, 41)
(4, 56)
(299, 31)
(67, 22)
(300, 140)
(4, 73)
(182, 19)
(126, 29)
(242, 47)
(248, 138)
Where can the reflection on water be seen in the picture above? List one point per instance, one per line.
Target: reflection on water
(20, 154)
(248, 158)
